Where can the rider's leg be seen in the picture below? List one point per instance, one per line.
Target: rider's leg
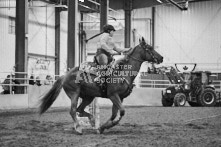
(102, 60)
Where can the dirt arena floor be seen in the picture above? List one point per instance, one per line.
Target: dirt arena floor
(141, 127)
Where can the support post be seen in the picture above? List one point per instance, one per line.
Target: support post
(127, 13)
(103, 13)
(21, 42)
(82, 40)
(72, 58)
(153, 26)
(57, 41)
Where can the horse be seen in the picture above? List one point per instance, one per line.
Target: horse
(119, 84)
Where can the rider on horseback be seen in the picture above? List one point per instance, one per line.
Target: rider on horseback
(106, 48)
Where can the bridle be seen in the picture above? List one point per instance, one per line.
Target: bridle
(148, 50)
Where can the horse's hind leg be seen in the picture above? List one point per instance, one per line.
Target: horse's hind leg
(74, 96)
(85, 102)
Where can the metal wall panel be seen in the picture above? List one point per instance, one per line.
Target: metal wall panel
(63, 42)
(41, 29)
(7, 40)
(191, 36)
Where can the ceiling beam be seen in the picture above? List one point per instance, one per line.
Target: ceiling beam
(96, 3)
(182, 8)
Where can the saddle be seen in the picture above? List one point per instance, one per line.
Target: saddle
(89, 67)
(102, 51)
(95, 69)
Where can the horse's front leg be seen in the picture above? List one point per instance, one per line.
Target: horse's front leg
(117, 105)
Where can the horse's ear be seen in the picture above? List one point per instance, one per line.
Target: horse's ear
(143, 40)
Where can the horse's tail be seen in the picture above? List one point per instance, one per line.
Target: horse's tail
(51, 96)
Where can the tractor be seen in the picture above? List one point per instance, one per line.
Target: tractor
(193, 87)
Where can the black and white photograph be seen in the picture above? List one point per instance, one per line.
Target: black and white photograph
(110, 73)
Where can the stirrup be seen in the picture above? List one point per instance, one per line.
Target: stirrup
(97, 79)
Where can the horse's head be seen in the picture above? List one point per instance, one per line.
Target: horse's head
(147, 53)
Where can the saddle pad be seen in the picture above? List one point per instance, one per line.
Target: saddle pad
(88, 67)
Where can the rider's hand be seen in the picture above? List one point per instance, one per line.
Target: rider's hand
(126, 50)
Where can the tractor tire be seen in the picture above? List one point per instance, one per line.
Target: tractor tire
(218, 104)
(207, 98)
(166, 102)
(193, 104)
(180, 100)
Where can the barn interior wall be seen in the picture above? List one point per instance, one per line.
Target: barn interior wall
(7, 38)
(191, 36)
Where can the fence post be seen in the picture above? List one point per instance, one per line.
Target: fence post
(10, 82)
(96, 113)
(93, 109)
(26, 82)
(219, 85)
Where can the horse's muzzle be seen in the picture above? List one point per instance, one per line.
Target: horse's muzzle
(160, 60)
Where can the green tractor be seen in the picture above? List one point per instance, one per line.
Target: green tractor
(193, 87)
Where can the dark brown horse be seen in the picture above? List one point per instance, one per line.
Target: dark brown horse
(119, 86)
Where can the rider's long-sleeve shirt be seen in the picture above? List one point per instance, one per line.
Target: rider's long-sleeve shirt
(106, 42)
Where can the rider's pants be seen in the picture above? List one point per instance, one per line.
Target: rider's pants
(102, 59)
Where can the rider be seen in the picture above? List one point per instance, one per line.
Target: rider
(106, 47)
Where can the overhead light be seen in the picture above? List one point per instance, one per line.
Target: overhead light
(182, 8)
(159, 1)
(81, 0)
(186, 4)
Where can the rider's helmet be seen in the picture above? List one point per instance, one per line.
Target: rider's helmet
(107, 28)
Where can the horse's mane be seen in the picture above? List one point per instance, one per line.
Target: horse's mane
(125, 59)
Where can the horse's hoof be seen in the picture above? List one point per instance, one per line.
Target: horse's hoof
(79, 130)
(92, 122)
(100, 130)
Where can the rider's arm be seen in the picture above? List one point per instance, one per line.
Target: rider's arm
(120, 50)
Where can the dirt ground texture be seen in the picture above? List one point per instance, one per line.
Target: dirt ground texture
(140, 127)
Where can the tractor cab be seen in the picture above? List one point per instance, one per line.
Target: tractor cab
(201, 78)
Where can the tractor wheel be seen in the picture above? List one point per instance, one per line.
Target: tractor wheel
(207, 98)
(180, 100)
(166, 102)
(193, 104)
(218, 104)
